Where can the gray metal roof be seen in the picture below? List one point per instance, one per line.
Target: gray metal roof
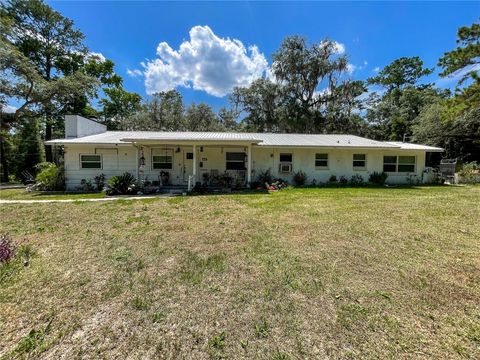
(260, 139)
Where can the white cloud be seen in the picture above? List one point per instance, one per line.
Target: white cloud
(376, 69)
(204, 62)
(339, 48)
(9, 109)
(457, 75)
(365, 63)
(351, 68)
(97, 56)
(134, 72)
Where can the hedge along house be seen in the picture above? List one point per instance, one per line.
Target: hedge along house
(191, 157)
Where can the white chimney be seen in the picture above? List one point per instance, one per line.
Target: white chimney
(77, 126)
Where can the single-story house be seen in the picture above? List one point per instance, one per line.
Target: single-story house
(189, 157)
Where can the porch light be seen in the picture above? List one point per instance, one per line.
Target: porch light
(178, 150)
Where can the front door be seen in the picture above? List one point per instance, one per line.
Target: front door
(187, 164)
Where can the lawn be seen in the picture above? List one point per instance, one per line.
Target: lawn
(22, 194)
(299, 274)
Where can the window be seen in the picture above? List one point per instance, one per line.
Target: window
(91, 161)
(406, 164)
(189, 156)
(359, 161)
(163, 162)
(321, 160)
(287, 158)
(285, 165)
(399, 163)
(235, 161)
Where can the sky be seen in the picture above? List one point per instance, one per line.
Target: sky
(203, 49)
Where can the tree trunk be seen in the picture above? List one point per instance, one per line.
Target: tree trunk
(3, 161)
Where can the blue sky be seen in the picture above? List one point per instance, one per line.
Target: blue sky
(372, 34)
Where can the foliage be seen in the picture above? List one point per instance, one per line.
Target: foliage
(378, 178)
(119, 105)
(86, 185)
(356, 180)
(7, 249)
(300, 178)
(465, 56)
(469, 173)
(50, 177)
(124, 184)
(332, 179)
(400, 73)
(292, 102)
(264, 177)
(343, 180)
(99, 181)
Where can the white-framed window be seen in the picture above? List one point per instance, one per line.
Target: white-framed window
(286, 163)
(401, 164)
(321, 161)
(359, 161)
(235, 161)
(90, 161)
(162, 162)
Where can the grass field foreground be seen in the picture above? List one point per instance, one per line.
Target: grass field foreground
(305, 273)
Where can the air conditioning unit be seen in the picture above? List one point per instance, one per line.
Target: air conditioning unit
(285, 167)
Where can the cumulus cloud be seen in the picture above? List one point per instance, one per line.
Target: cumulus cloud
(351, 68)
(96, 56)
(376, 69)
(204, 62)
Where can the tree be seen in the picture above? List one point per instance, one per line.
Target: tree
(465, 56)
(119, 105)
(301, 70)
(38, 47)
(201, 118)
(393, 114)
(227, 119)
(403, 72)
(260, 101)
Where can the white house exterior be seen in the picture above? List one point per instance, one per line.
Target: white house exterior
(90, 150)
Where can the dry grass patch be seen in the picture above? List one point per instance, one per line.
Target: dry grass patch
(311, 273)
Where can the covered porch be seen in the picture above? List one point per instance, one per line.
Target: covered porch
(185, 165)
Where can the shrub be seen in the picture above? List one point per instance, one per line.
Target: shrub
(86, 185)
(469, 173)
(99, 181)
(50, 177)
(264, 177)
(332, 179)
(356, 180)
(7, 249)
(378, 178)
(343, 180)
(122, 185)
(300, 178)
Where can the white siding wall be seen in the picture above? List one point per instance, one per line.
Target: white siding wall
(340, 163)
(117, 160)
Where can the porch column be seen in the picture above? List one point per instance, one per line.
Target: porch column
(137, 162)
(194, 163)
(249, 164)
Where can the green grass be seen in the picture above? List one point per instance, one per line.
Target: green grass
(22, 194)
(298, 274)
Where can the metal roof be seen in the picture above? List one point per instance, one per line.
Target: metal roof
(260, 139)
(410, 146)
